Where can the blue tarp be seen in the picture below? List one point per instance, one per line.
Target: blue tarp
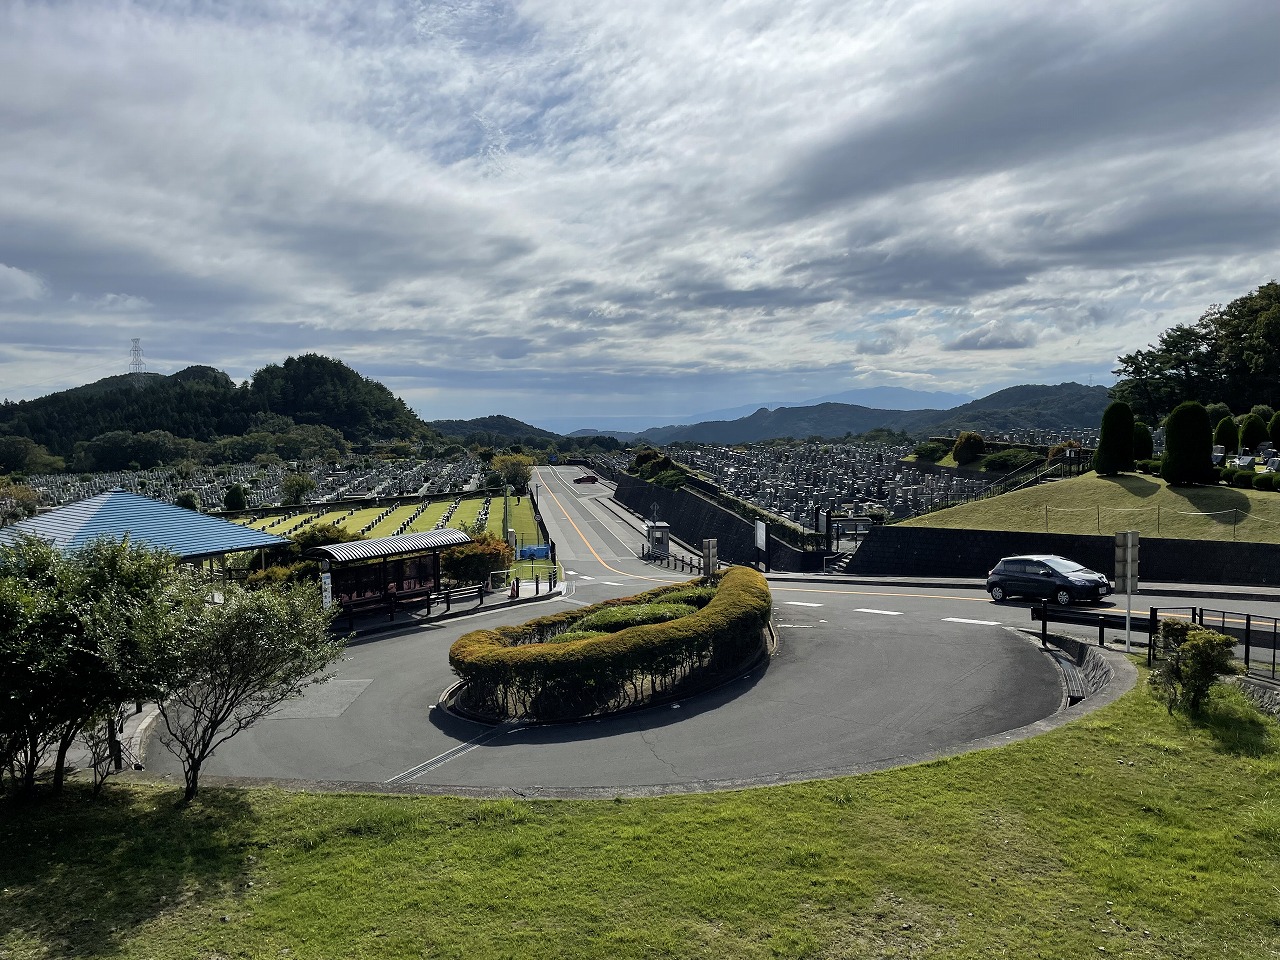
(540, 551)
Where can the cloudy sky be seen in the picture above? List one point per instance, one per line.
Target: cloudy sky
(573, 212)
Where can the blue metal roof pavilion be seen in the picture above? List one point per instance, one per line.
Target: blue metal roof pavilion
(190, 535)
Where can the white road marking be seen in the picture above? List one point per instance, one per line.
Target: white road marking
(610, 583)
(506, 727)
(583, 576)
(981, 623)
(797, 626)
(883, 613)
(801, 603)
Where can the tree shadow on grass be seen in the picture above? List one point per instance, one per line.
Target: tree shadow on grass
(1226, 505)
(80, 877)
(1236, 725)
(1134, 485)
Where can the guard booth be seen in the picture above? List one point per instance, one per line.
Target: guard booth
(659, 538)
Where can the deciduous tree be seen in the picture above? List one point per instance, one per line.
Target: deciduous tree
(237, 662)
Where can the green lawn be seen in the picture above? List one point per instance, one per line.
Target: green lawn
(1091, 504)
(1127, 833)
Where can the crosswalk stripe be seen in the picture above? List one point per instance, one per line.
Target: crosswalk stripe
(883, 613)
(981, 623)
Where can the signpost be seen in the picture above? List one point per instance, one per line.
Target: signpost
(762, 543)
(1127, 576)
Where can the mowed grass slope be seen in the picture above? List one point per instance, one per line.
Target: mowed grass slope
(1128, 833)
(1091, 505)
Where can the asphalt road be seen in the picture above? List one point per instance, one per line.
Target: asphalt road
(863, 677)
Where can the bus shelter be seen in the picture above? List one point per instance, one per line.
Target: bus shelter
(368, 574)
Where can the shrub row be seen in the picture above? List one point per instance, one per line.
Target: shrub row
(521, 672)
(1246, 479)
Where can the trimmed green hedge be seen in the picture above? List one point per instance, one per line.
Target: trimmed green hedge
(613, 619)
(521, 672)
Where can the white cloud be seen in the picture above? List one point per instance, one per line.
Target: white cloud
(494, 194)
(17, 284)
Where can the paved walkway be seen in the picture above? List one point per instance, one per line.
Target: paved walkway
(140, 724)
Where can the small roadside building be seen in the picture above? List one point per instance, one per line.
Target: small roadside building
(371, 573)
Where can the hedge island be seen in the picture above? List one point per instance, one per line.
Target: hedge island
(616, 655)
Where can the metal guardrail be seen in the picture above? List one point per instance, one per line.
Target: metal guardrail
(1045, 614)
(672, 562)
(1258, 637)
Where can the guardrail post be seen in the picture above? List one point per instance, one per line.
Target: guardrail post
(1248, 632)
(1044, 624)
(1102, 626)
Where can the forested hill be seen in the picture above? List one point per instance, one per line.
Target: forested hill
(201, 403)
(1066, 406)
(495, 431)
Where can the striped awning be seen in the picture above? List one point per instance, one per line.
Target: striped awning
(383, 547)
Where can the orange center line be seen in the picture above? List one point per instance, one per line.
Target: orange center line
(587, 543)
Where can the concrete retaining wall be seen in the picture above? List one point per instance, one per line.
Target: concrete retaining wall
(694, 519)
(1097, 671)
(938, 552)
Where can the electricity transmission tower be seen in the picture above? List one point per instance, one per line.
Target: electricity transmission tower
(136, 367)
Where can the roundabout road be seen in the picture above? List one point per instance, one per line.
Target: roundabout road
(862, 678)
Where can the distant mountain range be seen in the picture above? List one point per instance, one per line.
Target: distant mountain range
(203, 404)
(1066, 406)
(877, 398)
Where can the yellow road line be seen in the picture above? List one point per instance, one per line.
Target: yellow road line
(587, 543)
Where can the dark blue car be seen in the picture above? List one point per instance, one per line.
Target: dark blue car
(1045, 575)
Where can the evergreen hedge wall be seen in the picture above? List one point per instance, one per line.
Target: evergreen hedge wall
(520, 673)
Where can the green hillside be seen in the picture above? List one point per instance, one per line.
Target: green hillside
(495, 431)
(203, 404)
(1103, 505)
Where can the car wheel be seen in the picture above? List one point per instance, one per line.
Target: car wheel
(1063, 597)
(997, 592)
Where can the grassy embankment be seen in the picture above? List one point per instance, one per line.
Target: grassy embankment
(1091, 505)
(1127, 833)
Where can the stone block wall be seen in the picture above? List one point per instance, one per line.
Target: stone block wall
(1265, 695)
